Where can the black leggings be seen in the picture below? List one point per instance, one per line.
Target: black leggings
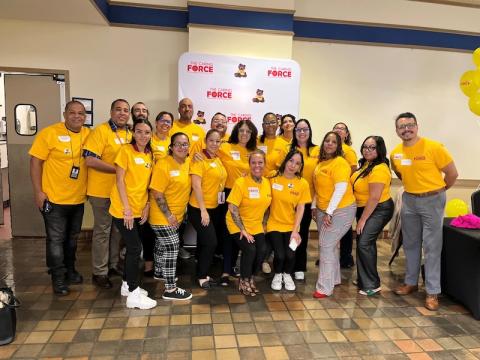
(230, 248)
(206, 238)
(252, 253)
(301, 252)
(283, 256)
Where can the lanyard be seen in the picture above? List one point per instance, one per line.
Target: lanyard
(71, 146)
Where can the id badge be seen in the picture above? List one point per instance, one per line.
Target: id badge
(74, 172)
(221, 197)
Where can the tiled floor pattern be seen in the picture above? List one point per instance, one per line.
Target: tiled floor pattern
(222, 324)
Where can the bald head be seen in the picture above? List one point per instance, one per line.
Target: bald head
(185, 109)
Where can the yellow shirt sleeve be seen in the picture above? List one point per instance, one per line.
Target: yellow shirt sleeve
(341, 173)
(305, 196)
(197, 168)
(235, 196)
(160, 176)
(442, 156)
(95, 142)
(349, 155)
(380, 174)
(41, 145)
(122, 158)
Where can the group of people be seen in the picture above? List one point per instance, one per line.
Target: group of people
(241, 192)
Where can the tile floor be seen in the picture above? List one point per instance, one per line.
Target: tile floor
(222, 324)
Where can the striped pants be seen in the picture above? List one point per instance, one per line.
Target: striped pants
(165, 253)
(329, 247)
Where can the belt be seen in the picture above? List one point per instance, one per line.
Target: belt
(428, 193)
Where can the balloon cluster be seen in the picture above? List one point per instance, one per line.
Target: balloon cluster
(456, 207)
(470, 84)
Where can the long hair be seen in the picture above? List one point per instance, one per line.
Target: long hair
(283, 119)
(310, 143)
(338, 152)
(348, 139)
(290, 154)
(252, 143)
(381, 158)
(172, 141)
(134, 142)
(263, 136)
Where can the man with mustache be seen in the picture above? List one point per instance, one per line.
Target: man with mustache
(139, 112)
(419, 162)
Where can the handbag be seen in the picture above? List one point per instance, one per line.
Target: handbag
(8, 315)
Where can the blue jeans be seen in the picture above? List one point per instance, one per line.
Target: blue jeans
(62, 225)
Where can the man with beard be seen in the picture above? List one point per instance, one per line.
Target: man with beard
(139, 112)
(219, 123)
(419, 163)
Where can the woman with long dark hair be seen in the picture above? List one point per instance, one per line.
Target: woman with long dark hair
(371, 186)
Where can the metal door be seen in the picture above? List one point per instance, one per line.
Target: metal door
(44, 95)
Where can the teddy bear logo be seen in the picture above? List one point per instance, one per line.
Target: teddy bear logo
(200, 118)
(259, 97)
(241, 71)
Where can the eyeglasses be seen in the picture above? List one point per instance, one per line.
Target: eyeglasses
(166, 122)
(302, 130)
(217, 121)
(340, 128)
(181, 145)
(369, 148)
(406, 126)
(270, 123)
(245, 131)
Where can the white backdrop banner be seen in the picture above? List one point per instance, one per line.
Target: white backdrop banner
(239, 87)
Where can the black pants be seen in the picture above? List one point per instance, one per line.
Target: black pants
(367, 273)
(229, 246)
(252, 254)
(301, 252)
(62, 226)
(283, 256)
(346, 247)
(133, 243)
(148, 241)
(206, 238)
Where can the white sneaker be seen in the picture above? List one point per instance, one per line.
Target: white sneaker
(277, 282)
(136, 299)
(125, 292)
(288, 281)
(266, 267)
(299, 275)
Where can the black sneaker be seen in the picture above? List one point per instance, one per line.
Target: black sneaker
(60, 288)
(73, 277)
(102, 281)
(115, 272)
(177, 294)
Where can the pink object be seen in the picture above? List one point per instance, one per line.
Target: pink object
(468, 221)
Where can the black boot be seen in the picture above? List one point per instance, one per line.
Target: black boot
(60, 287)
(73, 277)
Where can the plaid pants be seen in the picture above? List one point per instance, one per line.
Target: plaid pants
(165, 253)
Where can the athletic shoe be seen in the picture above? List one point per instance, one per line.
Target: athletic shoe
(288, 281)
(184, 254)
(266, 267)
(125, 292)
(136, 299)
(277, 282)
(370, 292)
(299, 275)
(177, 294)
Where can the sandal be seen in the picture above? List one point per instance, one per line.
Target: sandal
(253, 286)
(225, 281)
(245, 289)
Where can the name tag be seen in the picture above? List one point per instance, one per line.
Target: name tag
(160, 148)
(254, 193)
(139, 161)
(195, 137)
(278, 187)
(119, 141)
(406, 162)
(235, 155)
(174, 173)
(213, 165)
(64, 138)
(263, 148)
(397, 156)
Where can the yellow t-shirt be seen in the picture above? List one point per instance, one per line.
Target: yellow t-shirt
(213, 176)
(60, 150)
(273, 148)
(349, 155)
(252, 200)
(286, 195)
(235, 159)
(159, 147)
(420, 165)
(173, 180)
(380, 174)
(138, 169)
(194, 132)
(106, 143)
(201, 145)
(326, 175)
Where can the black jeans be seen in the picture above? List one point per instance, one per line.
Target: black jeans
(133, 243)
(283, 256)
(346, 247)
(301, 252)
(367, 273)
(230, 248)
(252, 254)
(62, 226)
(206, 238)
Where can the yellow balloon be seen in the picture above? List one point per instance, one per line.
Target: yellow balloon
(467, 83)
(474, 103)
(476, 57)
(476, 78)
(456, 207)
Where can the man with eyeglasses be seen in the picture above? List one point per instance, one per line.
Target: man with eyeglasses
(184, 124)
(419, 162)
(219, 123)
(139, 112)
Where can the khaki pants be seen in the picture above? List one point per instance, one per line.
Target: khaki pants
(105, 237)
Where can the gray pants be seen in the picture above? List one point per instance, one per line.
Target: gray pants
(105, 237)
(422, 222)
(329, 243)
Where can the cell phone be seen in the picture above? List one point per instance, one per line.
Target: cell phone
(47, 207)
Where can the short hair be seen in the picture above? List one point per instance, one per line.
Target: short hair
(262, 137)
(138, 103)
(252, 143)
(172, 141)
(283, 119)
(290, 154)
(348, 139)
(115, 103)
(382, 157)
(407, 115)
(338, 151)
(161, 113)
(73, 102)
